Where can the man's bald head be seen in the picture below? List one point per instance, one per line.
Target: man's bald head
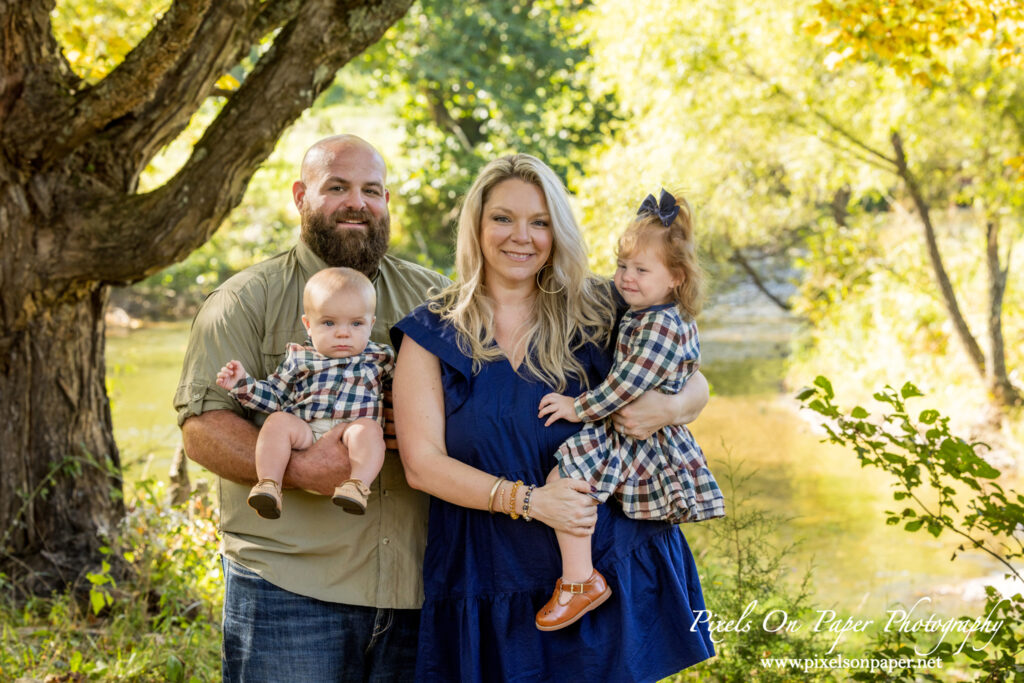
(323, 153)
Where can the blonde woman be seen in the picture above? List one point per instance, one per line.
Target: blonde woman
(525, 318)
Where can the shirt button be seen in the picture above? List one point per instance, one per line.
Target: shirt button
(385, 540)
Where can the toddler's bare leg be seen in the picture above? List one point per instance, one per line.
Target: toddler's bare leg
(281, 433)
(364, 439)
(577, 563)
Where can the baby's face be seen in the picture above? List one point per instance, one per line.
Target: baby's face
(340, 324)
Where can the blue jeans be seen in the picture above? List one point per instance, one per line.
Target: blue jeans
(273, 635)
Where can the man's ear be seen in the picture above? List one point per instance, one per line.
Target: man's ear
(298, 192)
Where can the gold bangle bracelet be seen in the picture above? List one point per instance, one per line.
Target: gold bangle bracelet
(512, 499)
(494, 490)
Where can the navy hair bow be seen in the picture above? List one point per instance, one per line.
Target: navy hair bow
(665, 208)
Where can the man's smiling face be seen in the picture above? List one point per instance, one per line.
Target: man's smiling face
(343, 203)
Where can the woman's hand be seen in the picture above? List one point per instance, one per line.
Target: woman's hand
(653, 410)
(565, 505)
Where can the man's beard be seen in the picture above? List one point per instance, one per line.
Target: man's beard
(358, 249)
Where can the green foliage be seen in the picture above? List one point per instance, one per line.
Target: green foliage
(947, 487)
(477, 80)
(158, 621)
(744, 573)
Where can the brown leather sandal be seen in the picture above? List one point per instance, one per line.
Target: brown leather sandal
(585, 596)
(351, 495)
(265, 498)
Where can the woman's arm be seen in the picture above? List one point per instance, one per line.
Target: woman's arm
(654, 410)
(419, 422)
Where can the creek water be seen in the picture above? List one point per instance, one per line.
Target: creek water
(833, 509)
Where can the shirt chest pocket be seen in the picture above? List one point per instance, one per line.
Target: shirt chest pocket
(273, 346)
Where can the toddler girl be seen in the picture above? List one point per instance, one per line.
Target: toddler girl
(666, 476)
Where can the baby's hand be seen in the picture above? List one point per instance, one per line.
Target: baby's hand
(557, 407)
(231, 374)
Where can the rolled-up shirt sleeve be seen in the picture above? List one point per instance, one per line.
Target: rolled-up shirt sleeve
(224, 329)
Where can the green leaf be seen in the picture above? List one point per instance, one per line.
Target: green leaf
(908, 390)
(174, 669)
(928, 416)
(98, 600)
(805, 394)
(859, 413)
(976, 655)
(822, 381)
(914, 525)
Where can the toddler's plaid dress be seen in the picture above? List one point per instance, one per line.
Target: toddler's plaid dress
(663, 477)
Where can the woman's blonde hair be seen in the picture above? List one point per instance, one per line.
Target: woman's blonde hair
(678, 251)
(572, 308)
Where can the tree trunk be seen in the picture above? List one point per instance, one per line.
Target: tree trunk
(1002, 390)
(963, 332)
(72, 224)
(56, 506)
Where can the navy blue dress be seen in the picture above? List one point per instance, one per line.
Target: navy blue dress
(486, 575)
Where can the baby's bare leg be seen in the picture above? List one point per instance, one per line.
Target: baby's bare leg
(281, 433)
(577, 563)
(364, 439)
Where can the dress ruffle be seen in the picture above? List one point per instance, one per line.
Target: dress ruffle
(497, 628)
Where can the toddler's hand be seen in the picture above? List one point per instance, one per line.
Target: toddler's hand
(557, 407)
(231, 374)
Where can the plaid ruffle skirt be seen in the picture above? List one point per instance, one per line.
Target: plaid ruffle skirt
(664, 477)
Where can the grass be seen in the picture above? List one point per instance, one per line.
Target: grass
(160, 621)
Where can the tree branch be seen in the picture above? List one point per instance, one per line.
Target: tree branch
(35, 79)
(164, 226)
(218, 43)
(822, 117)
(739, 259)
(273, 15)
(135, 80)
(938, 269)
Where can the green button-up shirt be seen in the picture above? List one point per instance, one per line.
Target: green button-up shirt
(314, 549)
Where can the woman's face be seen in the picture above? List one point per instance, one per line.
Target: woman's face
(515, 234)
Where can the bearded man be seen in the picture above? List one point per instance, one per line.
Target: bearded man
(314, 595)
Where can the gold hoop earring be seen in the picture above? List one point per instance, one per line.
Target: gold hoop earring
(561, 286)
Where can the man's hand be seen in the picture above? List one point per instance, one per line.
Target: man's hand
(557, 407)
(322, 466)
(231, 374)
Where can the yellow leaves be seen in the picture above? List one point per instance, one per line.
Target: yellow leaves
(834, 59)
(1016, 165)
(921, 79)
(916, 37)
(227, 82)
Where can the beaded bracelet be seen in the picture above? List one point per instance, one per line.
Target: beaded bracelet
(494, 490)
(526, 503)
(512, 500)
